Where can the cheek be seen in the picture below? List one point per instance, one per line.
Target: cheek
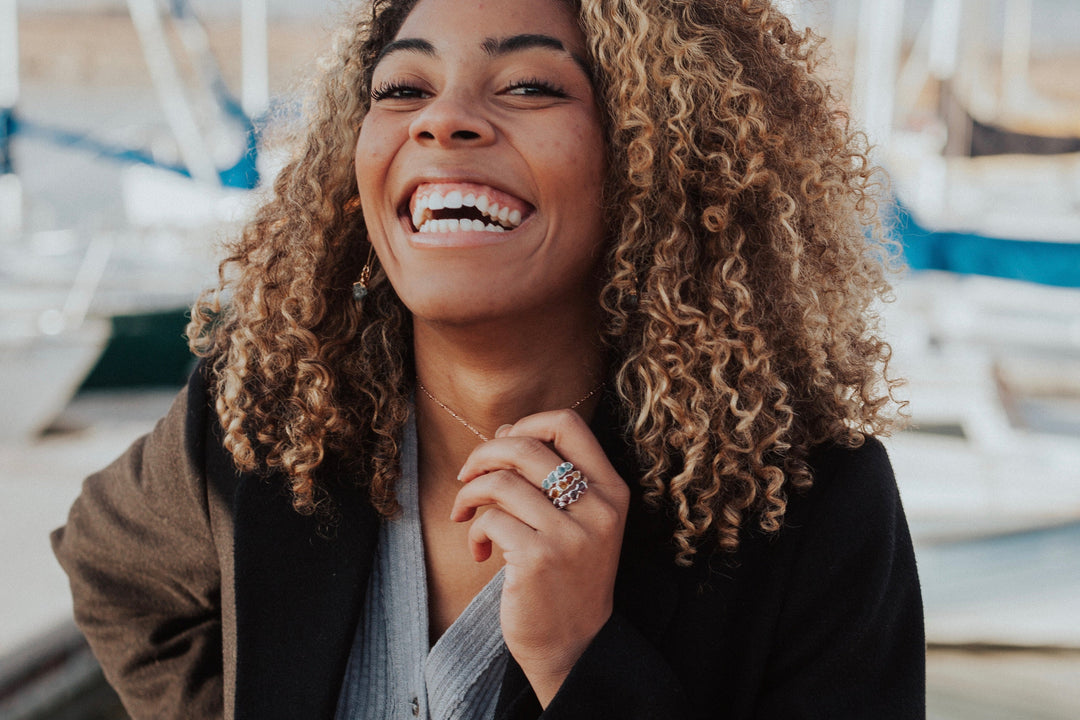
(366, 160)
(589, 152)
(578, 160)
(373, 156)
(587, 168)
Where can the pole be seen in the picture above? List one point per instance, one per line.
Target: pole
(170, 91)
(255, 93)
(877, 62)
(9, 79)
(1016, 52)
(10, 185)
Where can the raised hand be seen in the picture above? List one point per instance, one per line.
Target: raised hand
(560, 564)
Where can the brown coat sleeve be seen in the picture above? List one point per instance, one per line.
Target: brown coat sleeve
(142, 561)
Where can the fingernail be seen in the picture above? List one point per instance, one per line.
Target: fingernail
(503, 430)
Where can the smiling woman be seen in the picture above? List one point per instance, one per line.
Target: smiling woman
(547, 385)
(488, 102)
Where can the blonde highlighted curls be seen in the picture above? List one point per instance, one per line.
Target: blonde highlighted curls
(744, 261)
(745, 202)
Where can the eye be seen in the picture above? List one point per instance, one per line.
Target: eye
(535, 88)
(392, 90)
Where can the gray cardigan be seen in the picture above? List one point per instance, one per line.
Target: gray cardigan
(393, 671)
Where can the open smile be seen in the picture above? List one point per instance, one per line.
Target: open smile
(464, 207)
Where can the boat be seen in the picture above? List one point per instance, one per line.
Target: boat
(92, 307)
(986, 323)
(48, 340)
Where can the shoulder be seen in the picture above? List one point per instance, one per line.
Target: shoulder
(847, 536)
(853, 485)
(837, 467)
(850, 522)
(190, 435)
(195, 403)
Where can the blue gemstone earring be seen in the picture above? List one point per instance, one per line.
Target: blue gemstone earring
(360, 288)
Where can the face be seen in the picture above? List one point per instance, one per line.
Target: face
(481, 162)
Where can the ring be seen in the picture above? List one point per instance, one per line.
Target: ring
(564, 485)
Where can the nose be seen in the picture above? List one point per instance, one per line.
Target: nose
(452, 119)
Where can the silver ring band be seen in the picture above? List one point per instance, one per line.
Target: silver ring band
(564, 485)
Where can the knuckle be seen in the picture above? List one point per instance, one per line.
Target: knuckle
(531, 448)
(484, 524)
(478, 527)
(607, 517)
(567, 421)
(543, 555)
(500, 481)
(577, 542)
(620, 495)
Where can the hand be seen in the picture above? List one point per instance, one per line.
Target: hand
(559, 580)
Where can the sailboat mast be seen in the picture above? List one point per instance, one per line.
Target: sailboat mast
(9, 78)
(877, 62)
(255, 92)
(10, 186)
(1016, 52)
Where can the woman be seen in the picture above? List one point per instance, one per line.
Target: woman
(547, 384)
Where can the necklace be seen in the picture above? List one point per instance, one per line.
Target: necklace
(472, 428)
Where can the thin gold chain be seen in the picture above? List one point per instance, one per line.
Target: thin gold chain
(472, 428)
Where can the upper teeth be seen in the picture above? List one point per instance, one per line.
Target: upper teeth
(424, 222)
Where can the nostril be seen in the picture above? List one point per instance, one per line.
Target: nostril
(456, 135)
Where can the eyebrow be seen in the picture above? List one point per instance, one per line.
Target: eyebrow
(494, 47)
(410, 44)
(502, 46)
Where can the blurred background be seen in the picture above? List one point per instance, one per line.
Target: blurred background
(134, 137)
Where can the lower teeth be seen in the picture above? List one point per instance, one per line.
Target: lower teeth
(453, 225)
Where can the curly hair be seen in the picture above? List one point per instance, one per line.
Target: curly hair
(743, 267)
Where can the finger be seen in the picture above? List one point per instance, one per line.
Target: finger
(537, 444)
(508, 491)
(565, 431)
(570, 436)
(501, 528)
(527, 456)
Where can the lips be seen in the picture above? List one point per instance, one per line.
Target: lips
(465, 207)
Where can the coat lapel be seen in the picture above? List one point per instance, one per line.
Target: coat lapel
(299, 594)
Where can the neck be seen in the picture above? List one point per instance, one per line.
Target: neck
(496, 375)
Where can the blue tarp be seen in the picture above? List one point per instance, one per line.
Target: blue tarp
(243, 174)
(1048, 263)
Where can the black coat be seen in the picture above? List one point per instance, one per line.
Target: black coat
(820, 620)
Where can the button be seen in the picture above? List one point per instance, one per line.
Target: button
(415, 705)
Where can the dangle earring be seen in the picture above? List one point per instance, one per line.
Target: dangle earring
(360, 287)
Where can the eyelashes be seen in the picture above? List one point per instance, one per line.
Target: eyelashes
(535, 87)
(395, 90)
(530, 87)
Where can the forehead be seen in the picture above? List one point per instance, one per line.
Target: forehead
(449, 22)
